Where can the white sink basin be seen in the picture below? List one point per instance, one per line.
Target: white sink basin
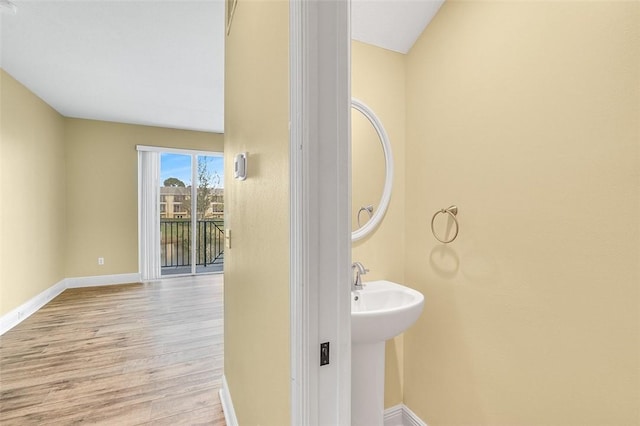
(383, 310)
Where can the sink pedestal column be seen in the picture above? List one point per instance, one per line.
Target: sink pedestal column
(367, 384)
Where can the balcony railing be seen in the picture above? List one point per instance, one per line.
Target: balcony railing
(175, 241)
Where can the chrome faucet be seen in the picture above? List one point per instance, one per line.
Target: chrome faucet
(356, 282)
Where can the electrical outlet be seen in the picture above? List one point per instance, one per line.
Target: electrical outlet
(324, 353)
(101, 261)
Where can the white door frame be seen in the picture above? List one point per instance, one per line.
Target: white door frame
(320, 200)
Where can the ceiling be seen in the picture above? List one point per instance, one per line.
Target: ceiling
(156, 63)
(391, 24)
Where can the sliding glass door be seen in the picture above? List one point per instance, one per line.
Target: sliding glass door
(191, 213)
(181, 212)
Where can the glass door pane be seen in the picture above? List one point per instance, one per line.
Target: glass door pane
(210, 214)
(175, 214)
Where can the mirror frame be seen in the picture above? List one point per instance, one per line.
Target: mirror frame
(379, 212)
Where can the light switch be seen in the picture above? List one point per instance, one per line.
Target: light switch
(227, 238)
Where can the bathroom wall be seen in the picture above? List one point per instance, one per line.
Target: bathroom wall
(33, 194)
(378, 80)
(102, 190)
(256, 361)
(525, 115)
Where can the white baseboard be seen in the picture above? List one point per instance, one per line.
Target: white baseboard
(19, 314)
(393, 416)
(401, 415)
(99, 280)
(398, 415)
(227, 405)
(24, 311)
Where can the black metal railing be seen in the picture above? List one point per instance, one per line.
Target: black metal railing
(175, 241)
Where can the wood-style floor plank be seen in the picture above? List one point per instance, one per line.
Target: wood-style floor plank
(134, 354)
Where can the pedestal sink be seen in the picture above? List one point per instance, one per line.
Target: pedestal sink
(380, 311)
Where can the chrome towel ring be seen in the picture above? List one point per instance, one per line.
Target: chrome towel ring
(451, 211)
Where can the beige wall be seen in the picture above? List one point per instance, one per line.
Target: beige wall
(256, 271)
(525, 115)
(69, 193)
(102, 190)
(377, 79)
(32, 189)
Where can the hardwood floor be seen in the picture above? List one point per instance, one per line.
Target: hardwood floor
(134, 354)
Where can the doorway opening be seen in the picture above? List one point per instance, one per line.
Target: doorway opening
(191, 213)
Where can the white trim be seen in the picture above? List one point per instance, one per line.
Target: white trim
(320, 103)
(100, 280)
(22, 312)
(410, 418)
(178, 151)
(301, 392)
(401, 415)
(393, 416)
(227, 404)
(31, 306)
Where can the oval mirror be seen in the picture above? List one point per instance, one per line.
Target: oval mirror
(371, 172)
